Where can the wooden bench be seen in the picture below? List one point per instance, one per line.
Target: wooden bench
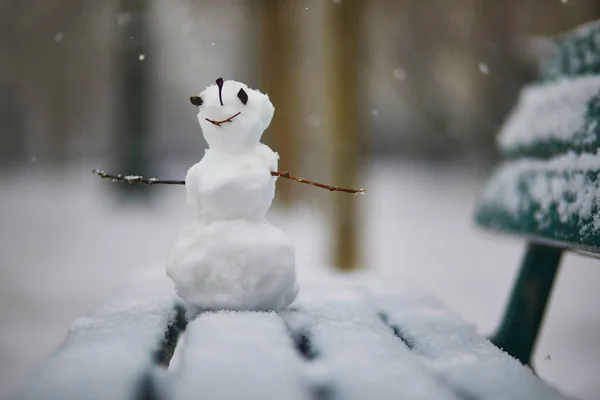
(547, 189)
(340, 340)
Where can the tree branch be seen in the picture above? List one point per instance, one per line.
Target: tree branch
(331, 188)
(281, 174)
(136, 179)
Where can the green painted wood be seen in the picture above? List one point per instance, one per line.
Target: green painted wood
(538, 199)
(576, 53)
(585, 139)
(560, 112)
(525, 311)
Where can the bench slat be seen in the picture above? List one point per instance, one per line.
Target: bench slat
(458, 354)
(555, 200)
(107, 354)
(553, 119)
(576, 53)
(238, 355)
(356, 354)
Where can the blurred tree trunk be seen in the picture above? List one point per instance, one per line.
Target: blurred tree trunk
(277, 71)
(12, 110)
(133, 92)
(343, 92)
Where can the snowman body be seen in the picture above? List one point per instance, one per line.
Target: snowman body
(232, 186)
(229, 256)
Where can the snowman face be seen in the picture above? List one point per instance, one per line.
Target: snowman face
(233, 116)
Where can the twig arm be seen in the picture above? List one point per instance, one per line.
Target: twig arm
(137, 179)
(281, 174)
(331, 188)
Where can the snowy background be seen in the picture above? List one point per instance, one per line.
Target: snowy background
(434, 80)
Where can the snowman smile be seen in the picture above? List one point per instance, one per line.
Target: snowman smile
(218, 123)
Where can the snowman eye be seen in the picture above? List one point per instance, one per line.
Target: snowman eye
(243, 96)
(196, 100)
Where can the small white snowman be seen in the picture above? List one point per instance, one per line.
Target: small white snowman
(230, 257)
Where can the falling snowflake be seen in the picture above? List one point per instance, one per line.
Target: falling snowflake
(142, 57)
(313, 120)
(58, 37)
(484, 68)
(399, 74)
(123, 19)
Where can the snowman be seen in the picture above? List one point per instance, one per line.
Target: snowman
(229, 256)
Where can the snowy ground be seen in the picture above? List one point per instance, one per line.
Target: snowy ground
(66, 246)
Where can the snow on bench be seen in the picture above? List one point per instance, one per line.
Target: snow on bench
(356, 352)
(335, 342)
(554, 198)
(457, 354)
(555, 117)
(238, 355)
(106, 354)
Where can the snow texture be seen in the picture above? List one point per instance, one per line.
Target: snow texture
(576, 53)
(342, 341)
(106, 355)
(232, 186)
(229, 257)
(552, 111)
(356, 354)
(567, 183)
(238, 355)
(457, 354)
(243, 132)
(233, 264)
(132, 178)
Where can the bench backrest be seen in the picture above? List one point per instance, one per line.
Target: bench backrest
(548, 186)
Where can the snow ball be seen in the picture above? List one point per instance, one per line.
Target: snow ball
(484, 68)
(374, 112)
(142, 57)
(399, 74)
(58, 37)
(314, 120)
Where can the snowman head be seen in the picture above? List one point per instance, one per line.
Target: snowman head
(232, 116)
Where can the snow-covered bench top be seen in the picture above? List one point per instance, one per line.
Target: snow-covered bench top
(337, 341)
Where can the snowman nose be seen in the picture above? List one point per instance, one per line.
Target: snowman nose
(220, 85)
